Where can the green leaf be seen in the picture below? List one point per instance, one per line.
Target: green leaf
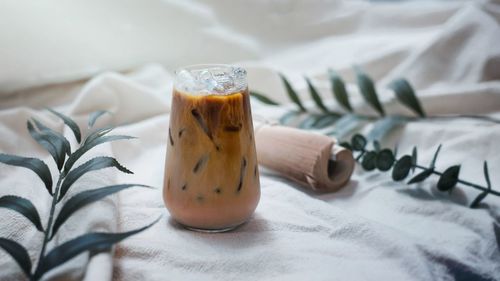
(402, 168)
(346, 125)
(94, 116)
(486, 175)
(422, 176)
(89, 145)
(395, 150)
(485, 193)
(369, 161)
(339, 91)
(325, 120)
(48, 143)
(346, 145)
(433, 162)
(22, 206)
(34, 164)
(51, 142)
(376, 145)
(449, 178)
(384, 126)
(18, 253)
(358, 142)
(85, 198)
(367, 89)
(98, 133)
(91, 165)
(61, 140)
(70, 123)
(285, 119)
(309, 121)
(414, 159)
(385, 159)
(406, 95)
(263, 98)
(95, 241)
(292, 94)
(315, 96)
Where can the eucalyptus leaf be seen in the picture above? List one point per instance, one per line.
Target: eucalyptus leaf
(346, 125)
(433, 162)
(369, 161)
(346, 145)
(94, 116)
(84, 198)
(367, 89)
(414, 159)
(486, 174)
(292, 94)
(87, 146)
(339, 91)
(406, 95)
(402, 168)
(475, 203)
(70, 123)
(358, 142)
(421, 177)
(384, 126)
(385, 160)
(376, 145)
(87, 242)
(308, 122)
(22, 206)
(325, 120)
(18, 253)
(91, 165)
(34, 164)
(315, 96)
(263, 98)
(287, 117)
(449, 178)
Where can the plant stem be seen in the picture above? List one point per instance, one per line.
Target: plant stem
(476, 186)
(48, 228)
(467, 183)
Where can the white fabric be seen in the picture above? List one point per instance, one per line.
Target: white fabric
(373, 229)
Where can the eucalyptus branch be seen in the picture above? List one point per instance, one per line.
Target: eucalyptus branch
(350, 121)
(385, 160)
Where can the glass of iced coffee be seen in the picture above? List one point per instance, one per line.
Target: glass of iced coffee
(211, 173)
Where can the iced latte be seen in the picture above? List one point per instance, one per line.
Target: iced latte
(211, 173)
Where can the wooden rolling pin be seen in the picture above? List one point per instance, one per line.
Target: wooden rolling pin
(312, 160)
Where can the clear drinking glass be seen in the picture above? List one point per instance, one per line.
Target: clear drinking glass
(211, 172)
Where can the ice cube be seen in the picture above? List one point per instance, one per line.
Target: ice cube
(185, 80)
(238, 72)
(207, 81)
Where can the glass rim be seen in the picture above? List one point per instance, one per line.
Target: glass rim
(200, 66)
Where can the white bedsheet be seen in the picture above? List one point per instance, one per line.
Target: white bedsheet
(373, 229)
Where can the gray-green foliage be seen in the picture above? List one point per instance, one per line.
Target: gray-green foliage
(346, 123)
(385, 160)
(59, 148)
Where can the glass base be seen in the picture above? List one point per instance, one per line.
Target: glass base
(209, 230)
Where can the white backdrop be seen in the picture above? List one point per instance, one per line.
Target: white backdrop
(372, 229)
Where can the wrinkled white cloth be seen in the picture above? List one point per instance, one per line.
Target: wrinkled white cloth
(373, 229)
